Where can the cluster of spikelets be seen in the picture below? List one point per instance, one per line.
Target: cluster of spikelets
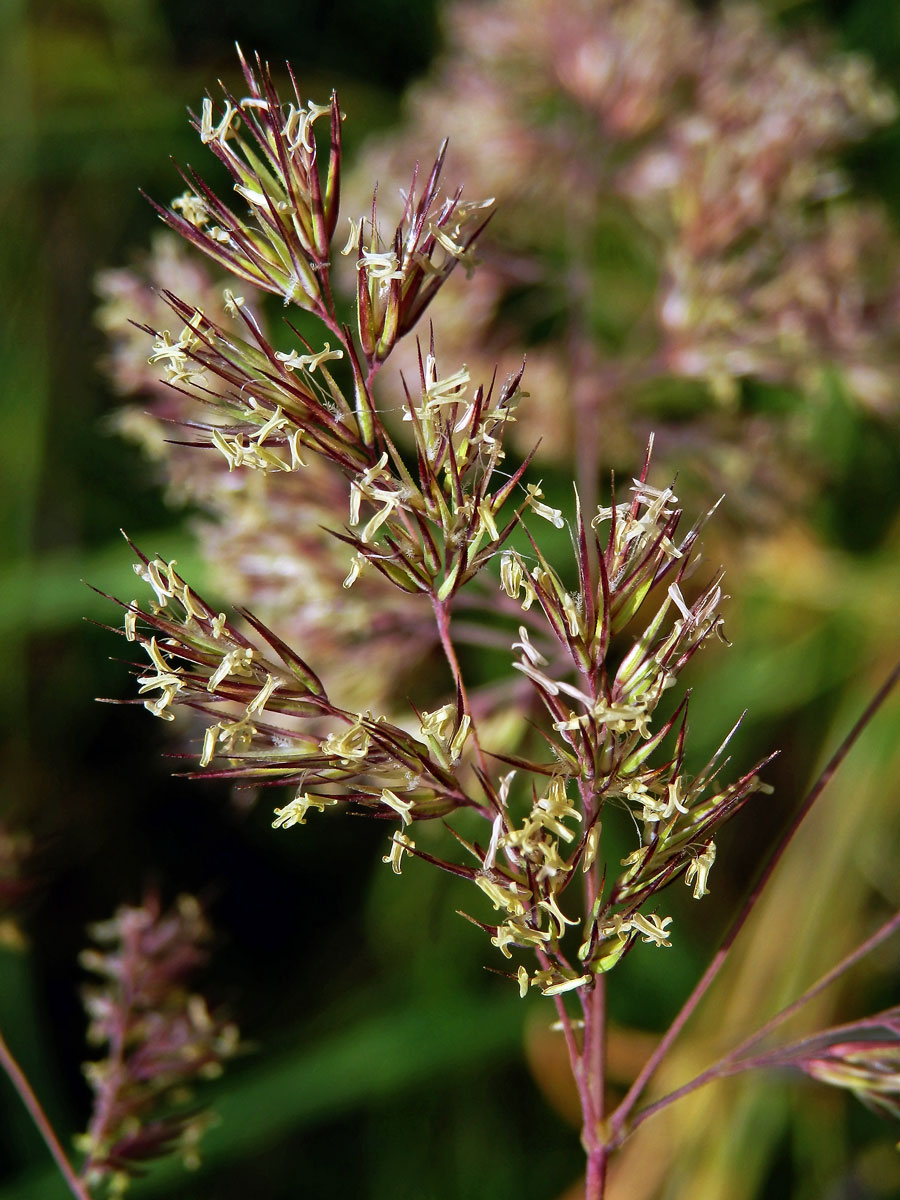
(863, 1057)
(429, 514)
(543, 819)
(430, 528)
(158, 1038)
(868, 1067)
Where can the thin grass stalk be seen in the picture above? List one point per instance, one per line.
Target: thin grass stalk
(19, 1081)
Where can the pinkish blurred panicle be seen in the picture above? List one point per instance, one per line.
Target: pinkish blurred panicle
(620, 59)
(702, 148)
(766, 272)
(869, 1069)
(132, 299)
(159, 1038)
(269, 552)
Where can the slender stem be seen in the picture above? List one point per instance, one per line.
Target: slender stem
(593, 1064)
(569, 1035)
(712, 971)
(881, 934)
(374, 368)
(330, 314)
(26, 1095)
(596, 1061)
(331, 324)
(327, 312)
(442, 616)
(594, 1071)
(592, 1114)
(734, 1060)
(721, 1070)
(594, 1008)
(587, 1067)
(732, 1064)
(576, 1059)
(595, 1184)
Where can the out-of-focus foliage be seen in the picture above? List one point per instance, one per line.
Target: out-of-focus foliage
(415, 1064)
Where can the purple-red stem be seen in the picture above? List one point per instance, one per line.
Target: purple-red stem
(594, 1068)
(442, 616)
(733, 1061)
(595, 1183)
(594, 1007)
(593, 1064)
(31, 1102)
(586, 1075)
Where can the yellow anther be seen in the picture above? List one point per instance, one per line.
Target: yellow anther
(295, 812)
(652, 928)
(507, 898)
(401, 807)
(259, 701)
(699, 869)
(400, 843)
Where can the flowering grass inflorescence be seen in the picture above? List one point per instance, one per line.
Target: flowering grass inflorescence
(430, 526)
